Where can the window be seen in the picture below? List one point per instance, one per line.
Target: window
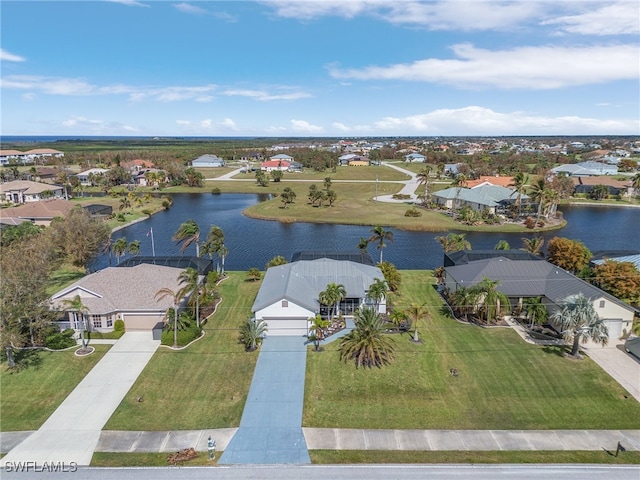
(601, 303)
(109, 321)
(285, 303)
(96, 320)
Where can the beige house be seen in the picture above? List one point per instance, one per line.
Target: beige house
(127, 293)
(25, 191)
(38, 213)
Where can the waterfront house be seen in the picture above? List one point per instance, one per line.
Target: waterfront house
(88, 177)
(26, 191)
(208, 161)
(39, 213)
(491, 198)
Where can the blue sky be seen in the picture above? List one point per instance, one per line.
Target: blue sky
(329, 68)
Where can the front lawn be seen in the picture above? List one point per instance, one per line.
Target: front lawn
(502, 382)
(30, 395)
(203, 386)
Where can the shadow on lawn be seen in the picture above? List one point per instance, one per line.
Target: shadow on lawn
(27, 358)
(558, 350)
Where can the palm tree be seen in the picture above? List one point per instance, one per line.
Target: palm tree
(519, 185)
(533, 245)
(331, 296)
(275, 261)
(367, 345)
(488, 301)
(377, 291)
(175, 297)
(379, 235)
(578, 319)
(317, 330)
(454, 242)
(415, 312)
(635, 184)
(461, 302)
(79, 311)
(252, 332)
(188, 233)
(119, 247)
(424, 178)
(191, 280)
(214, 244)
(534, 310)
(599, 192)
(134, 247)
(502, 245)
(125, 203)
(363, 244)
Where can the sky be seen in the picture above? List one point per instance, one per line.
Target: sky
(346, 68)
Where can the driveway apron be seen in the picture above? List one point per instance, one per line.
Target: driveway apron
(271, 426)
(72, 431)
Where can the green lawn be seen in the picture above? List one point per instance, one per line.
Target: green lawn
(203, 386)
(503, 382)
(30, 395)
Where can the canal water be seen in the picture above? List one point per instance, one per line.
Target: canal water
(252, 243)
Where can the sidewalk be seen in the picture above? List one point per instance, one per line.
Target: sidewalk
(73, 430)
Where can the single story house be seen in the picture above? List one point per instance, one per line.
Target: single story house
(87, 178)
(585, 169)
(601, 256)
(295, 167)
(26, 191)
(615, 187)
(490, 180)
(288, 296)
(38, 213)
(520, 279)
(121, 293)
(343, 160)
(208, 161)
(271, 165)
(281, 157)
(415, 158)
(480, 198)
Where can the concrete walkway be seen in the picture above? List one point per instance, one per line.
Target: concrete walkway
(72, 431)
(271, 426)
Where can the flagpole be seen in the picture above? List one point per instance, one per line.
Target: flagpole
(153, 248)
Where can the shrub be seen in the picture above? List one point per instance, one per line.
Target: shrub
(529, 222)
(147, 212)
(61, 340)
(413, 212)
(215, 191)
(185, 336)
(118, 325)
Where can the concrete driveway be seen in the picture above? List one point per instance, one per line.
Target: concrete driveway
(622, 366)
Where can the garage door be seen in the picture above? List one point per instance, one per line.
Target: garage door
(615, 328)
(140, 322)
(287, 326)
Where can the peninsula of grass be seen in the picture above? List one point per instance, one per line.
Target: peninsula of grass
(30, 395)
(502, 382)
(202, 386)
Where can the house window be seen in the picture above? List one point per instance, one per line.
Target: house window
(96, 321)
(285, 303)
(601, 303)
(109, 321)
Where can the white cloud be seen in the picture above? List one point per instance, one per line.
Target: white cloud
(229, 124)
(619, 18)
(10, 57)
(302, 126)
(188, 8)
(537, 68)
(130, 3)
(96, 127)
(265, 96)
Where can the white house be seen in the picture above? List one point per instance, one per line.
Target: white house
(208, 161)
(288, 297)
(87, 177)
(415, 158)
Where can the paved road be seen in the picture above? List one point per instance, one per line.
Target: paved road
(350, 472)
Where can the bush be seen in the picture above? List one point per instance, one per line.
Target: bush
(529, 222)
(118, 326)
(215, 191)
(61, 340)
(413, 212)
(185, 336)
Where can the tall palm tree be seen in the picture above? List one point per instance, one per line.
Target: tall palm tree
(502, 245)
(80, 320)
(415, 312)
(635, 184)
(488, 301)
(379, 235)
(367, 345)
(454, 242)
(191, 281)
(424, 178)
(377, 291)
(461, 302)
(134, 247)
(363, 244)
(175, 297)
(188, 233)
(331, 296)
(578, 320)
(119, 248)
(214, 244)
(533, 245)
(519, 184)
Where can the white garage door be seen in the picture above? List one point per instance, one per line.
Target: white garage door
(287, 326)
(615, 328)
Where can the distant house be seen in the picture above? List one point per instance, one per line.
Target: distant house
(359, 161)
(137, 165)
(39, 213)
(483, 197)
(25, 191)
(271, 165)
(12, 156)
(281, 157)
(288, 296)
(295, 167)
(208, 161)
(88, 177)
(521, 279)
(415, 158)
(451, 169)
(585, 169)
(490, 180)
(16, 156)
(601, 256)
(127, 293)
(343, 160)
(615, 187)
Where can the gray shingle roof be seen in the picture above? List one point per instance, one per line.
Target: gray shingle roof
(301, 282)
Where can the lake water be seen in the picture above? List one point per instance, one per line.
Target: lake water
(252, 243)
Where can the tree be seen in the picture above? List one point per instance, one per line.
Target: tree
(275, 261)
(175, 298)
(363, 244)
(578, 320)
(214, 245)
(125, 203)
(367, 345)
(313, 188)
(377, 291)
(489, 303)
(424, 178)
(193, 178)
(277, 175)
(331, 197)
(379, 235)
(119, 248)
(391, 275)
(327, 183)
(415, 312)
(519, 184)
(331, 296)
(620, 279)
(454, 242)
(252, 332)
(188, 233)
(461, 302)
(79, 311)
(134, 247)
(317, 330)
(253, 274)
(599, 192)
(261, 178)
(534, 310)
(635, 184)
(191, 281)
(502, 245)
(319, 196)
(571, 255)
(533, 245)
(287, 196)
